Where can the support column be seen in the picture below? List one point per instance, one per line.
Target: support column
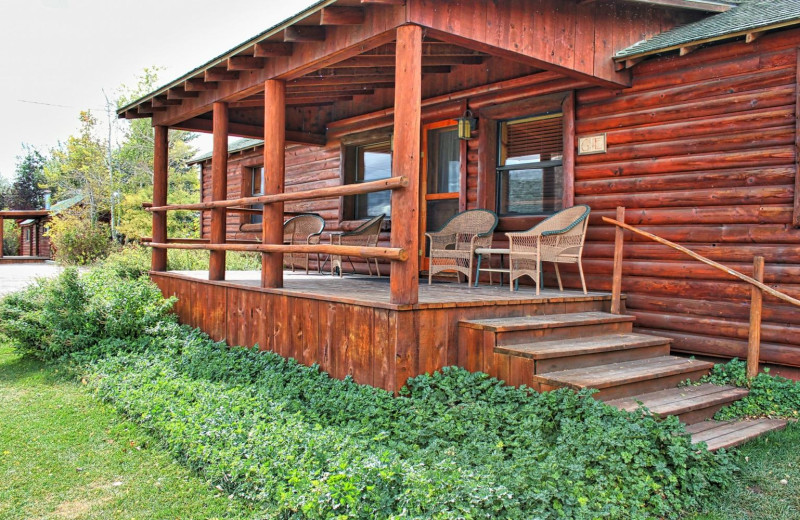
(219, 189)
(1, 237)
(274, 179)
(404, 279)
(160, 166)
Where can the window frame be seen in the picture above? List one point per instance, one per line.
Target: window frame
(349, 166)
(550, 163)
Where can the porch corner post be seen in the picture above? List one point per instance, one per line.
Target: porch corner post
(274, 179)
(1, 236)
(219, 189)
(160, 167)
(404, 279)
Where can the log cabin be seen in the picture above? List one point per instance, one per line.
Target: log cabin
(679, 117)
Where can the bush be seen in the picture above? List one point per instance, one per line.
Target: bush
(770, 396)
(10, 238)
(76, 239)
(133, 261)
(299, 444)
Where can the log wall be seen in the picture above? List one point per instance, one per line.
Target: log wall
(702, 150)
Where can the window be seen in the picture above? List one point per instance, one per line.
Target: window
(530, 174)
(364, 163)
(256, 189)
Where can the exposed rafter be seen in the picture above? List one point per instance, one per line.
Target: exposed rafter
(245, 63)
(336, 15)
(220, 75)
(272, 49)
(304, 33)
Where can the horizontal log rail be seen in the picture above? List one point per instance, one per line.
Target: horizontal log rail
(199, 241)
(758, 286)
(385, 253)
(392, 183)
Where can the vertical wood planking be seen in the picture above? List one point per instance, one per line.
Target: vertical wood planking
(754, 334)
(404, 279)
(359, 331)
(160, 167)
(406, 346)
(219, 183)
(382, 354)
(274, 178)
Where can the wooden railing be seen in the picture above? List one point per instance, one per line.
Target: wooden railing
(756, 282)
(234, 205)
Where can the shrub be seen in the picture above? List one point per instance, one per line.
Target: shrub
(10, 238)
(76, 239)
(133, 261)
(770, 396)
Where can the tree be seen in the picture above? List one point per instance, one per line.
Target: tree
(79, 167)
(26, 191)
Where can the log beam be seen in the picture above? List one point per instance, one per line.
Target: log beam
(160, 168)
(338, 15)
(274, 179)
(236, 63)
(219, 189)
(273, 49)
(754, 332)
(404, 279)
(304, 33)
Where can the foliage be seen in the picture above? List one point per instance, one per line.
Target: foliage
(76, 239)
(65, 455)
(79, 166)
(134, 260)
(26, 191)
(10, 237)
(91, 315)
(770, 396)
(300, 444)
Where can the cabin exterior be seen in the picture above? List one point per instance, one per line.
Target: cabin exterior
(684, 113)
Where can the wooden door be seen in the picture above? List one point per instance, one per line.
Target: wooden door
(440, 186)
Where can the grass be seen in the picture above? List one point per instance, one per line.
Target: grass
(65, 455)
(757, 492)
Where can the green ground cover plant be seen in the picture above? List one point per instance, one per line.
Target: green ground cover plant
(297, 444)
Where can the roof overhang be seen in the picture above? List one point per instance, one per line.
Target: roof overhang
(709, 6)
(24, 213)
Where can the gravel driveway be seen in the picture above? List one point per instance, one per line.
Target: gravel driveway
(14, 277)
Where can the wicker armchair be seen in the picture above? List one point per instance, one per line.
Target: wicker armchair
(302, 229)
(453, 247)
(365, 235)
(558, 239)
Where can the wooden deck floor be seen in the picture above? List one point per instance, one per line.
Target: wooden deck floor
(374, 292)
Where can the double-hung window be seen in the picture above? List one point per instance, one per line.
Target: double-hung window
(530, 174)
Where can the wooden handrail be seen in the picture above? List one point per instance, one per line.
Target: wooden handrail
(392, 183)
(754, 334)
(733, 272)
(386, 253)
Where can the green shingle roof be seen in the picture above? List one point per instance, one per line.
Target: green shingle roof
(748, 16)
(236, 146)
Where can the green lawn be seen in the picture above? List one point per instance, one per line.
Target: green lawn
(768, 488)
(64, 455)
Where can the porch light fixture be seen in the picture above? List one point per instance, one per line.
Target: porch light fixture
(466, 125)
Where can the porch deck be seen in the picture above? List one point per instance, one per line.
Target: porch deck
(349, 327)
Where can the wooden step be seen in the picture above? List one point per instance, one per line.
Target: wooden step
(691, 404)
(566, 354)
(727, 434)
(625, 379)
(524, 329)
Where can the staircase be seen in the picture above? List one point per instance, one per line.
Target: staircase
(599, 350)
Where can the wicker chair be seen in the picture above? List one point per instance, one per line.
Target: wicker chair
(302, 229)
(453, 247)
(558, 239)
(365, 235)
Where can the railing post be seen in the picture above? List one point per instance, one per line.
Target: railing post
(274, 179)
(616, 280)
(404, 278)
(754, 339)
(219, 189)
(160, 168)
(1, 237)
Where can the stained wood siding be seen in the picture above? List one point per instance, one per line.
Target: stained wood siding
(701, 151)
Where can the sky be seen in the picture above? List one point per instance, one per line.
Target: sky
(60, 56)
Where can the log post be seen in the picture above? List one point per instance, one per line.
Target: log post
(219, 189)
(160, 167)
(616, 280)
(1, 236)
(274, 178)
(404, 279)
(754, 339)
